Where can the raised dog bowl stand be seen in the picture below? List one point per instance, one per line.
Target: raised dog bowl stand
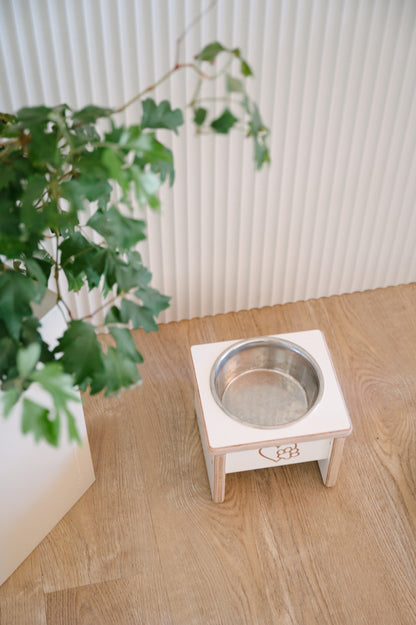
(234, 442)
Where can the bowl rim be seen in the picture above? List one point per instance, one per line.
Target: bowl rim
(260, 341)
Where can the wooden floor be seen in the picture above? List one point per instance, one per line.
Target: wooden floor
(146, 544)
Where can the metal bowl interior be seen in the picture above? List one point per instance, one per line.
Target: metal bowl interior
(266, 382)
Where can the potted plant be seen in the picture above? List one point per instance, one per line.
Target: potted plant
(71, 183)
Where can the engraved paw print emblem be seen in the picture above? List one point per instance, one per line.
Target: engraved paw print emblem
(281, 452)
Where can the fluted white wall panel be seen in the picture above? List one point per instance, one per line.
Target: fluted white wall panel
(336, 82)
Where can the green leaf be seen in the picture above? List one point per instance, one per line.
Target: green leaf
(72, 192)
(104, 263)
(259, 133)
(34, 115)
(60, 387)
(261, 153)
(8, 352)
(90, 164)
(114, 164)
(73, 433)
(210, 52)
(16, 293)
(44, 149)
(89, 114)
(30, 334)
(55, 381)
(91, 187)
(153, 299)
(83, 135)
(113, 316)
(36, 271)
(96, 262)
(27, 358)
(224, 123)
(131, 274)
(125, 344)
(200, 116)
(119, 373)
(74, 246)
(148, 150)
(119, 231)
(131, 312)
(76, 282)
(131, 138)
(256, 124)
(37, 419)
(77, 259)
(140, 316)
(5, 120)
(147, 184)
(8, 399)
(161, 116)
(245, 68)
(7, 175)
(33, 213)
(233, 84)
(43, 261)
(81, 352)
(81, 258)
(83, 357)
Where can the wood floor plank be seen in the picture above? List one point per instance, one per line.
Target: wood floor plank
(22, 600)
(282, 546)
(138, 600)
(108, 534)
(147, 544)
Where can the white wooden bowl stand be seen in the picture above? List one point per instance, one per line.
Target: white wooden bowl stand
(230, 446)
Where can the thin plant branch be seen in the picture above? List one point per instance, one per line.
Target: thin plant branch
(190, 26)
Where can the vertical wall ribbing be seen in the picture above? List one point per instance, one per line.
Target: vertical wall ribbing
(336, 84)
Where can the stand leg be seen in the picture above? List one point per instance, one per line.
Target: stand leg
(215, 464)
(218, 485)
(330, 466)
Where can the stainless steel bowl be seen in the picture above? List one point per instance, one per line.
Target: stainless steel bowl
(266, 382)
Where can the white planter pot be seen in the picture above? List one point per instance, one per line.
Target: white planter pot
(38, 483)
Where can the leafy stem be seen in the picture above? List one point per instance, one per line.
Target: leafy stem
(102, 307)
(161, 80)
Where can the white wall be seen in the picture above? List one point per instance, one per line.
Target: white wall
(336, 82)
